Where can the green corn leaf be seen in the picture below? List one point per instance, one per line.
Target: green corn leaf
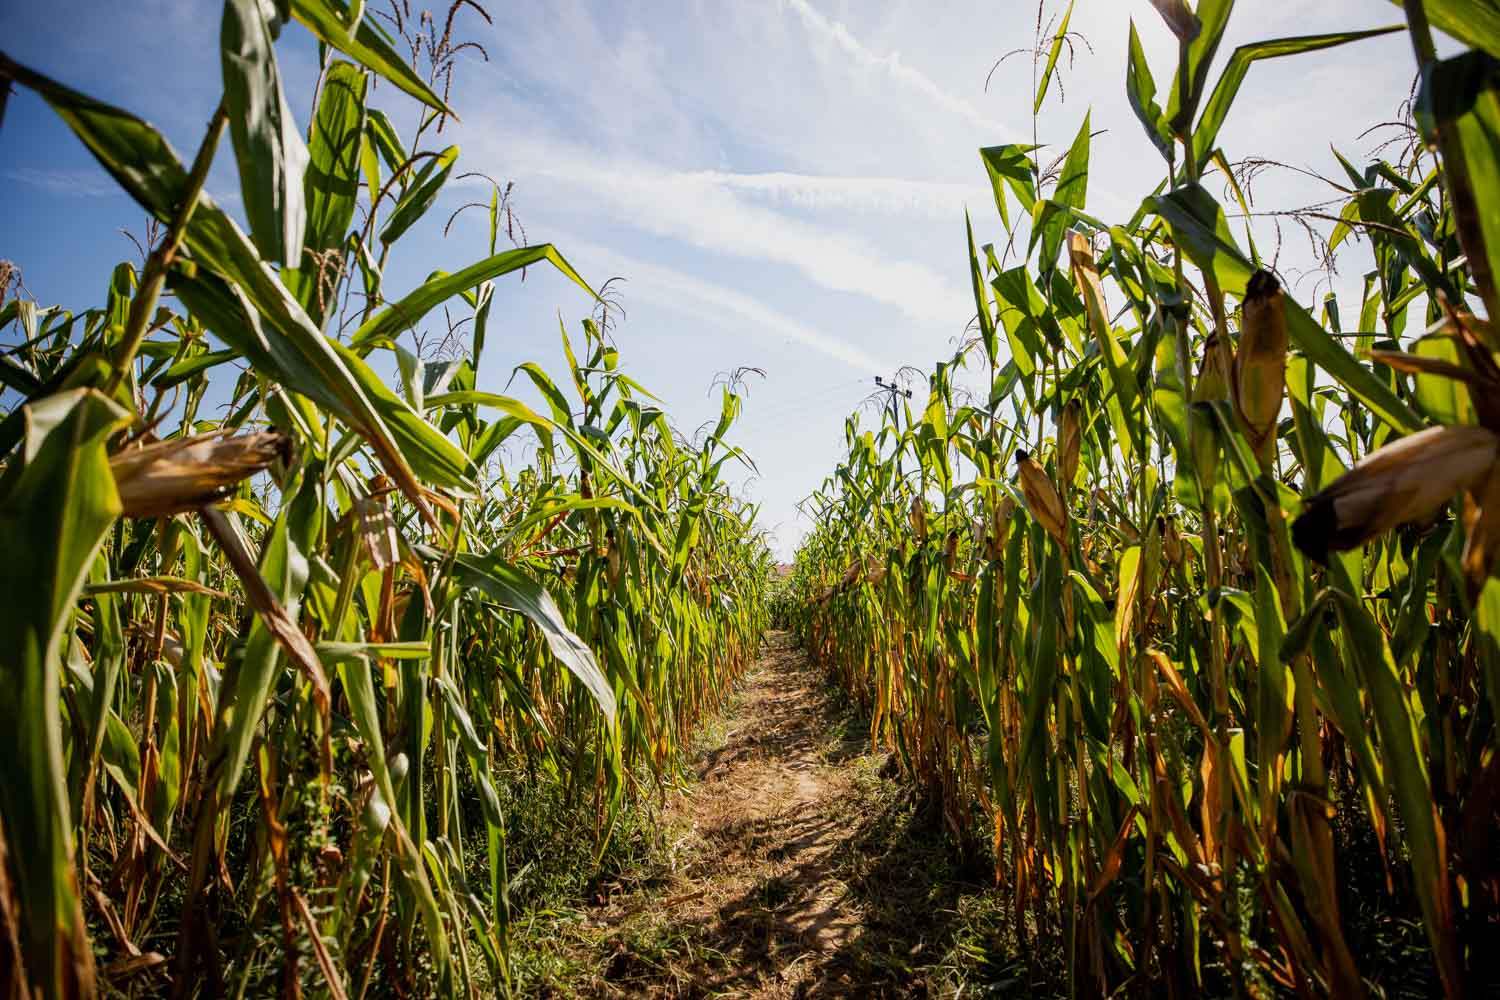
(419, 195)
(1140, 87)
(146, 166)
(386, 140)
(1473, 22)
(1009, 166)
(1199, 228)
(57, 501)
(1400, 747)
(332, 188)
(354, 677)
(1192, 79)
(392, 321)
(1022, 313)
(562, 413)
(1462, 95)
(268, 146)
(687, 537)
(485, 297)
(492, 437)
(368, 45)
(512, 407)
(981, 297)
(191, 366)
(1052, 53)
(1217, 108)
(1487, 638)
(503, 583)
(13, 376)
(109, 658)
(1445, 400)
(1071, 193)
(330, 374)
(342, 652)
(284, 567)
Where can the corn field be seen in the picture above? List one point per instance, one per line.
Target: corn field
(276, 625)
(1190, 603)
(1173, 597)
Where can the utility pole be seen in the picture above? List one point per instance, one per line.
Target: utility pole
(892, 390)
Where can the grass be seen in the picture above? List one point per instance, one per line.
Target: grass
(559, 941)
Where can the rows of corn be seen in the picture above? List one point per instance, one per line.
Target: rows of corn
(275, 628)
(1190, 601)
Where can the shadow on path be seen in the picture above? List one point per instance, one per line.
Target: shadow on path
(809, 874)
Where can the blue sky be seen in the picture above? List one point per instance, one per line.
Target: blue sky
(781, 184)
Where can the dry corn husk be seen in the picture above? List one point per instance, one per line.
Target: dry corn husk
(1260, 364)
(182, 474)
(1069, 439)
(376, 526)
(919, 519)
(950, 550)
(1406, 480)
(1042, 499)
(1004, 511)
(1171, 541)
(1000, 525)
(1482, 531)
(1183, 22)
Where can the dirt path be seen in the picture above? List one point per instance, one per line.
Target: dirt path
(800, 871)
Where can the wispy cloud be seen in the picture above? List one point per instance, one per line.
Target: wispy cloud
(704, 209)
(874, 195)
(78, 183)
(891, 65)
(716, 304)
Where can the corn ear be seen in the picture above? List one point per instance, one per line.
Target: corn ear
(1212, 382)
(1069, 439)
(182, 474)
(1171, 541)
(1405, 481)
(1004, 510)
(1260, 364)
(1042, 499)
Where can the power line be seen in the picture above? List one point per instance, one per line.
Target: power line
(893, 391)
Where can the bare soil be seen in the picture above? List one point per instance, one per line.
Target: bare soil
(798, 870)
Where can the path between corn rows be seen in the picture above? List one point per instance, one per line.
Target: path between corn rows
(799, 871)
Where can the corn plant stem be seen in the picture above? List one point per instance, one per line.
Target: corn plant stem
(1466, 211)
(439, 729)
(1184, 82)
(1217, 639)
(154, 275)
(385, 897)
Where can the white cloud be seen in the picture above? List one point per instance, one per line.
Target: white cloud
(891, 65)
(702, 209)
(874, 195)
(713, 303)
(80, 182)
